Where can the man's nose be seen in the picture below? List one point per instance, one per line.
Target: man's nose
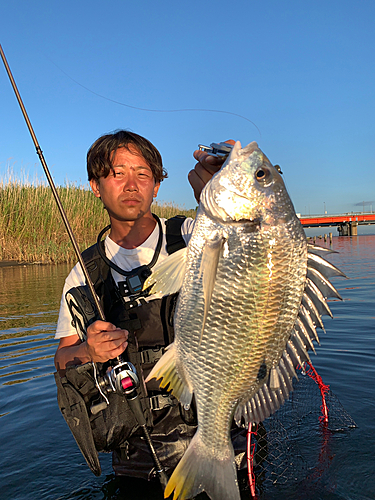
(130, 183)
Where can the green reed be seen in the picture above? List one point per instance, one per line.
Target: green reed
(31, 228)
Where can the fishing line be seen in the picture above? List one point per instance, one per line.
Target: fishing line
(130, 391)
(155, 110)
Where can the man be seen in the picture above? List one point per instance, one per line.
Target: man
(125, 171)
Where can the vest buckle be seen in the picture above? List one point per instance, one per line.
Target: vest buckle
(151, 355)
(161, 401)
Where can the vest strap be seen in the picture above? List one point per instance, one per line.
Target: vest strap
(175, 240)
(151, 355)
(160, 401)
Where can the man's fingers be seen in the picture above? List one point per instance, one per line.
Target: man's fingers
(114, 335)
(103, 350)
(105, 341)
(101, 326)
(196, 183)
(199, 177)
(115, 347)
(203, 173)
(119, 350)
(106, 330)
(211, 163)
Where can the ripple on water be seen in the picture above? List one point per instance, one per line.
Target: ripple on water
(40, 458)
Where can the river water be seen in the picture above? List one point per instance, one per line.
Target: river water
(40, 460)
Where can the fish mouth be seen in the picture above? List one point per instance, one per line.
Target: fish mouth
(252, 222)
(249, 225)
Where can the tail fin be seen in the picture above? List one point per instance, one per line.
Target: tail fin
(198, 471)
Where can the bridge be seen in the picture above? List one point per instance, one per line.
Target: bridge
(347, 224)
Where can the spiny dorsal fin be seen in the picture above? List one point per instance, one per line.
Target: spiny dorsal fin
(270, 396)
(327, 269)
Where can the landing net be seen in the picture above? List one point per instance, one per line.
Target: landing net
(293, 445)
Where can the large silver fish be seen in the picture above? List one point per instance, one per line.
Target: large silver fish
(251, 296)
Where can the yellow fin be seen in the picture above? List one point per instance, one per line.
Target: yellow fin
(165, 369)
(199, 471)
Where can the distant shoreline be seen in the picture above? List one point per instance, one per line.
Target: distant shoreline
(31, 229)
(8, 263)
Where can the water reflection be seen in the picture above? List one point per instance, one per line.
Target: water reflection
(39, 456)
(29, 302)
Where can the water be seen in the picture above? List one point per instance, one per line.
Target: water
(39, 458)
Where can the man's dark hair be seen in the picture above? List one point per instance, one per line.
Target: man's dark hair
(102, 152)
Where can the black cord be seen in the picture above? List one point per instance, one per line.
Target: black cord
(117, 268)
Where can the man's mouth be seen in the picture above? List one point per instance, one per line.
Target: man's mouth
(130, 201)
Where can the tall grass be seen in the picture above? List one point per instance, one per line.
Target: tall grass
(31, 228)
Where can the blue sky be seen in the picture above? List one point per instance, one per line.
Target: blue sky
(303, 72)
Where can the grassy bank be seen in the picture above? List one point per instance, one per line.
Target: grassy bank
(31, 228)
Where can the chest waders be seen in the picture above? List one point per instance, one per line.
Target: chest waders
(99, 427)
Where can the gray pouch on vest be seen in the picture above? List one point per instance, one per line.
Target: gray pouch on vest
(73, 409)
(104, 431)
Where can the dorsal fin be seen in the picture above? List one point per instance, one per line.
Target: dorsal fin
(270, 396)
(278, 384)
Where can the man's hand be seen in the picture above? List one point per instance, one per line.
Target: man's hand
(105, 341)
(206, 167)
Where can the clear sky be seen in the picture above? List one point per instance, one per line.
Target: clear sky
(303, 72)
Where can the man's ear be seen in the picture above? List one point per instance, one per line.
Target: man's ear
(95, 187)
(156, 188)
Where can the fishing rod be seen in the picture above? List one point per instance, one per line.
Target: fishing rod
(123, 378)
(52, 185)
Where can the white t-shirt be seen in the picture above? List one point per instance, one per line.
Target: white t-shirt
(124, 258)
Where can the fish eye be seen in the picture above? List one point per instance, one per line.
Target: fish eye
(262, 174)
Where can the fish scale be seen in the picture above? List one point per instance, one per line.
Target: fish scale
(238, 317)
(241, 290)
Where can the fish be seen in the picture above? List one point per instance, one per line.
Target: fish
(251, 296)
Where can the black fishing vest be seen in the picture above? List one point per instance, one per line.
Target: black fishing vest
(150, 326)
(150, 323)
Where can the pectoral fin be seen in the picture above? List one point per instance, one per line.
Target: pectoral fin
(210, 259)
(168, 276)
(166, 370)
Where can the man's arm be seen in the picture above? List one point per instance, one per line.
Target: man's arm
(104, 341)
(206, 167)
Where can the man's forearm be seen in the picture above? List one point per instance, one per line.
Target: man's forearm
(68, 355)
(104, 341)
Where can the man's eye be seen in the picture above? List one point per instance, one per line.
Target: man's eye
(117, 173)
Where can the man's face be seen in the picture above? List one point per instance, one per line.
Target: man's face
(127, 192)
